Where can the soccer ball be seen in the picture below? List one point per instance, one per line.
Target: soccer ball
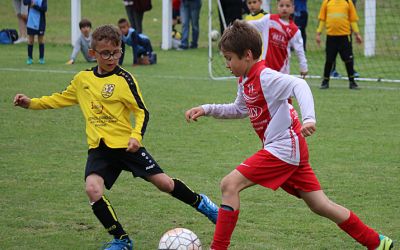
(179, 239)
(214, 34)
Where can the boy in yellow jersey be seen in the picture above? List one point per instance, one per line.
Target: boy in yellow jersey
(107, 94)
(255, 8)
(340, 18)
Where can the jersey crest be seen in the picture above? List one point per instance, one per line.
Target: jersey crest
(108, 90)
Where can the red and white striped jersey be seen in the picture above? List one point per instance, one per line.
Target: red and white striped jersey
(262, 96)
(278, 37)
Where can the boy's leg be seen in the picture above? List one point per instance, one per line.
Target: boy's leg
(41, 48)
(182, 192)
(346, 53)
(195, 16)
(228, 214)
(320, 204)
(102, 208)
(31, 40)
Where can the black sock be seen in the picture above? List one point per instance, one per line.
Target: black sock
(185, 194)
(41, 50)
(30, 50)
(106, 215)
(226, 207)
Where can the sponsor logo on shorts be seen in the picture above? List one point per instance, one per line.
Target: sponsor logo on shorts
(150, 167)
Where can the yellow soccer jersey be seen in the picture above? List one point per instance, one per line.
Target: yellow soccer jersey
(106, 102)
(257, 16)
(338, 14)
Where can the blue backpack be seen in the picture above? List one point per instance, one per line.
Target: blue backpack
(8, 36)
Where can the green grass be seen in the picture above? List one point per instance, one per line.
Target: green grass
(355, 154)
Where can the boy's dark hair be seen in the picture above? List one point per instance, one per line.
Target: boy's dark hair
(239, 37)
(106, 32)
(123, 20)
(85, 23)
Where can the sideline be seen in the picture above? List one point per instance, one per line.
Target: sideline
(55, 71)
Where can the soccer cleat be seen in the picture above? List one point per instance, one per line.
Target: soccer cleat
(324, 85)
(336, 74)
(386, 243)
(208, 208)
(353, 85)
(117, 244)
(29, 61)
(41, 60)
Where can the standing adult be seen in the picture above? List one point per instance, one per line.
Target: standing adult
(301, 18)
(22, 14)
(190, 14)
(232, 10)
(135, 10)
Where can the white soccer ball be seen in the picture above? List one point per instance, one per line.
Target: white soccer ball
(214, 34)
(179, 239)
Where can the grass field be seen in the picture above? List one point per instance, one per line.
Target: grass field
(355, 154)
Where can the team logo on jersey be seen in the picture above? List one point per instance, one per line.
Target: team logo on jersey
(108, 90)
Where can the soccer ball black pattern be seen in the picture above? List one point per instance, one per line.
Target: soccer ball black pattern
(179, 239)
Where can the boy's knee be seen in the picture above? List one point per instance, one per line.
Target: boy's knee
(94, 188)
(226, 185)
(163, 182)
(320, 208)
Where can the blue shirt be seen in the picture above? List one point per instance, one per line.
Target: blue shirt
(37, 14)
(299, 6)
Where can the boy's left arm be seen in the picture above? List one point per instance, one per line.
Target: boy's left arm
(40, 5)
(133, 99)
(297, 44)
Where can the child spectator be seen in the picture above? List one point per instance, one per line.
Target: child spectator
(190, 14)
(22, 14)
(141, 46)
(283, 161)
(255, 9)
(36, 26)
(107, 96)
(83, 42)
(279, 34)
(340, 18)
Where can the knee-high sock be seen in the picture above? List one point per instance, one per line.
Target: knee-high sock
(185, 194)
(106, 215)
(365, 235)
(41, 50)
(226, 223)
(30, 50)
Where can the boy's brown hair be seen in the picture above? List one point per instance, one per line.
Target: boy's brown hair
(108, 33)
(85, 23)
(239, 37)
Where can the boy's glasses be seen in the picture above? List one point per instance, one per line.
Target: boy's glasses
(107, 54)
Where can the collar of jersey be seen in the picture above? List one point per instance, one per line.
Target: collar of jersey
(96, 73)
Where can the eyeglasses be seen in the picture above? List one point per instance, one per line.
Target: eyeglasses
(106, 54)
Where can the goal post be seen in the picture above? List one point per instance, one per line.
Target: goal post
(75, 19)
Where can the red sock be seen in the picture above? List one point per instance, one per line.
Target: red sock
(226, 223)
(365, 235)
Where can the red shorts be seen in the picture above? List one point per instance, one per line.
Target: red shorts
(267, 170)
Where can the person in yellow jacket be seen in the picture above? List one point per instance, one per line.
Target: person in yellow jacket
(340, 19)
(107, 94)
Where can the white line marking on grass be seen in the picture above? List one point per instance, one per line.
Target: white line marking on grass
(56, 71)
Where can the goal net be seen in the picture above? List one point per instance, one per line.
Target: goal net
(376, 59)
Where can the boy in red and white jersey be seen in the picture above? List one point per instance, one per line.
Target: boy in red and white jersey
(283, 161)
(280, 34)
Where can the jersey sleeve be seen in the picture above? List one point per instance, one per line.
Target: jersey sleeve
(133, 99)
(353, 17)
(297, 44)
(322, 11)
(235, 110)
(282, 87)
(260, 24)
(57, 100)
(76, 49)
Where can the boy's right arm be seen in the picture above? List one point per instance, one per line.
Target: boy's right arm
(233, 110)
(260, 23)
(75, 51)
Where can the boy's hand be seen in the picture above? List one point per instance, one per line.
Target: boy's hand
(308, 129)
(303, 74)
(22, 101)
(194, 113)
(133, 145)
(70, 62)
(318, 39)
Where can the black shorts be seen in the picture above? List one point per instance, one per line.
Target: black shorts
(33, 32)
(109, 162)
(341, 45)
